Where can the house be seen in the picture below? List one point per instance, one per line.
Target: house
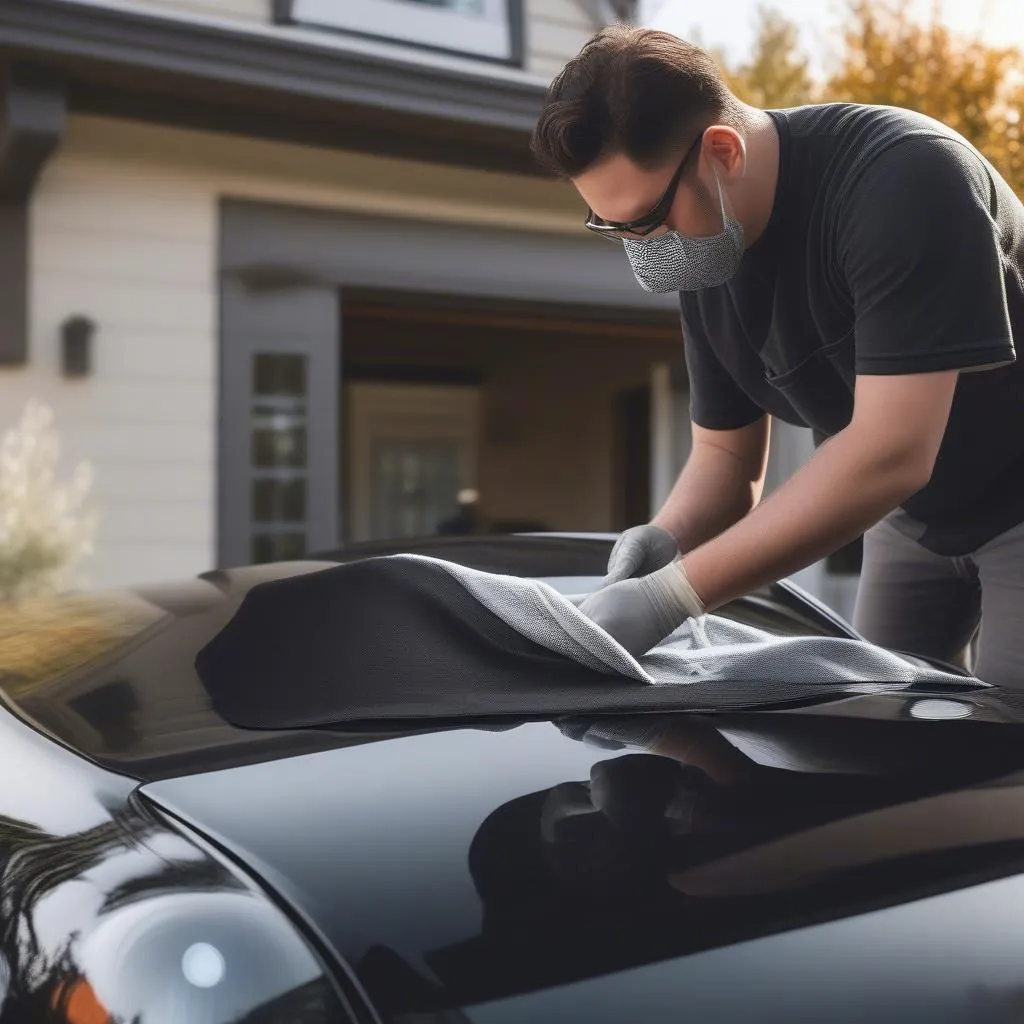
(287, 274)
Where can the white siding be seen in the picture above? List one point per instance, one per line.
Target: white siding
(134, 250)
(124, 230)
(555, 32)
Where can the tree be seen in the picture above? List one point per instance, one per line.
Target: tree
(777, 74)
(890, 57)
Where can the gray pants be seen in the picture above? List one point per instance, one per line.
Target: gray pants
(915, 601)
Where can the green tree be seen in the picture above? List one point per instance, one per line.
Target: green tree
(891, 57)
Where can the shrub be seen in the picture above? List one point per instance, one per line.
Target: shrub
(46, 527)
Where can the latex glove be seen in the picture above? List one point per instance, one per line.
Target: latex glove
(639, 551)
(640, 613)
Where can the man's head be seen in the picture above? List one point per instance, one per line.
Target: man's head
(643, 125)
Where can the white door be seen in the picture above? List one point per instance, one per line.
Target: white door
(411, 448)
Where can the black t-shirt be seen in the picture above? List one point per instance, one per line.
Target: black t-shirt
(893, 247)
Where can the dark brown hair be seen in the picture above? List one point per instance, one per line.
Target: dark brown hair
(629, 90)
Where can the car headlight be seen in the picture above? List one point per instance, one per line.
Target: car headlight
(204, 958)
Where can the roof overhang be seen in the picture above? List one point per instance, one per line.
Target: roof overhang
(275, 83)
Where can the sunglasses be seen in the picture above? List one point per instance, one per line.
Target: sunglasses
(651, 221)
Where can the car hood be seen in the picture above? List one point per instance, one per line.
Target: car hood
(521, 874)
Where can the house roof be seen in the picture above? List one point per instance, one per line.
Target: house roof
(276, 82)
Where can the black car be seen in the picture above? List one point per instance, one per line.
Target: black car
(847, 858)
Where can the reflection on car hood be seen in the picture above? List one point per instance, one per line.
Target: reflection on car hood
(464, 868)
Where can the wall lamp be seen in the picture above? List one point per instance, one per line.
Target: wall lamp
(76, 334)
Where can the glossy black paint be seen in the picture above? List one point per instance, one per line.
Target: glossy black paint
(106, 912)
(499, 874)
(521, 875)
(531, 555)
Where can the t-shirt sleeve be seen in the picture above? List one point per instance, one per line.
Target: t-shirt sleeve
(920, 250)
(717, 402)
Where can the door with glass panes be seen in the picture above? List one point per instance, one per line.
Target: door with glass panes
(411, 450)
(278, 453)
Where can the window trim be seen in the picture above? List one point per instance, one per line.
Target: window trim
(425, 31)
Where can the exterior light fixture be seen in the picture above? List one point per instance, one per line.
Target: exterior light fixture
(76, 346)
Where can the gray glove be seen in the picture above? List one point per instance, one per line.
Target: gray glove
(639, 551)
(640, 613)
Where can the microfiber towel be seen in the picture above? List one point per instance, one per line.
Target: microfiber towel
(409, 637)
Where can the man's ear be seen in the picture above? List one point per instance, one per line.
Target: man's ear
(727, 148)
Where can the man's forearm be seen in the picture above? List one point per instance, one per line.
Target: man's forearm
(846, 487)
(714, 491)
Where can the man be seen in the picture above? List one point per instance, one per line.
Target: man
(854, 269)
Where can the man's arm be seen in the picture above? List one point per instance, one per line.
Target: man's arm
(721, 482)
(885, 455)
(921, 255)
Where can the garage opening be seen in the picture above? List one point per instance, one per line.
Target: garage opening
(475, 416)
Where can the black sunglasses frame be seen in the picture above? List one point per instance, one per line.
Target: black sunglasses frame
(653, 219)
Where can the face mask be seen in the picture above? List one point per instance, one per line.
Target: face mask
(677, 263)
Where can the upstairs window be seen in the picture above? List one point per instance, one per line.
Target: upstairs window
(486, 29)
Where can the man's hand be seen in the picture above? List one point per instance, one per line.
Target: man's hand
(640, 551)
(640, 613)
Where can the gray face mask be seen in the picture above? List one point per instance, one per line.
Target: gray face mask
(677, 263)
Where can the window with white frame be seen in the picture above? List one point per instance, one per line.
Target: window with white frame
(489, 29)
